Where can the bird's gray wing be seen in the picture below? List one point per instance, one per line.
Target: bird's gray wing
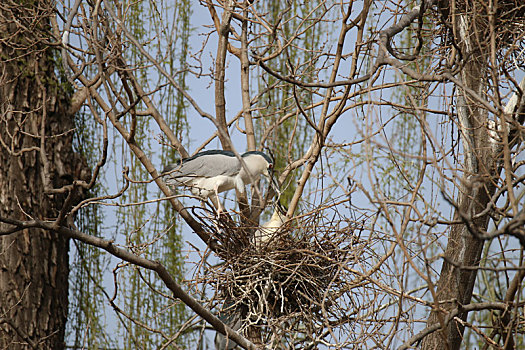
(211, 165)
(208, 165)
(232, 316)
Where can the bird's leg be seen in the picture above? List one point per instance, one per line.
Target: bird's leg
(204, 195)
(217, 202)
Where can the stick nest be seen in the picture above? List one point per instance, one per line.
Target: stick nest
(506, 19)
(295, 282)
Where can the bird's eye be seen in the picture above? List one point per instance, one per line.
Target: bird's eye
(270, 166)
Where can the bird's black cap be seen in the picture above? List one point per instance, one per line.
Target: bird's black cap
(264, 155)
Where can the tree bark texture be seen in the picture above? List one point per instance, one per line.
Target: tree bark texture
(481, 167)
(33, 263)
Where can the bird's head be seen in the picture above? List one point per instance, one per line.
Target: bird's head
(261, 163)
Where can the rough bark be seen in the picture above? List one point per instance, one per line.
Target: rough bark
(33, 262)
(481, 167)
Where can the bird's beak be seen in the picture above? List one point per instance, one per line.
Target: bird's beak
(273, 182)
(281, 208)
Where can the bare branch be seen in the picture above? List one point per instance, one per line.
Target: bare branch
(155, 266)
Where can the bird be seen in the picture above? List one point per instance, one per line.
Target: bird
(267, 230)
(231, 315)
(210, 172)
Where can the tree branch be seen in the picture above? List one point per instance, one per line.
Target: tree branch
(450, 316)
(155, 266)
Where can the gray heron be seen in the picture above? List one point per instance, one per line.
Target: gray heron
(208, 173)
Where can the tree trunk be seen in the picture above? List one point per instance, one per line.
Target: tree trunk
(481, 168)
(33, 263)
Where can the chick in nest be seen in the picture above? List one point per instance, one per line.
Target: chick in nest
(268, 230)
